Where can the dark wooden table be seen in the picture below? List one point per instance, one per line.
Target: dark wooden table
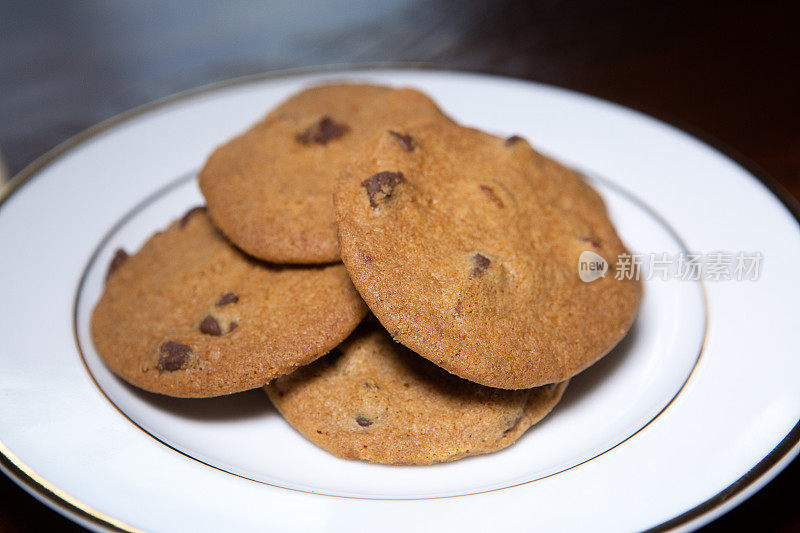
(725, 71)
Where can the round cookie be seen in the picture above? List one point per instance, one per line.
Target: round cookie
(375, 400)
(189, 315)
(467, 247)
(269, 190)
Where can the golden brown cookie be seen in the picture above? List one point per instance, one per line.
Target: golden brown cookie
(189, 315)
(269, 190)
(375, 400)
(466, 249)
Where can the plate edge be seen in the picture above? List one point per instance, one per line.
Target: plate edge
(764, 470)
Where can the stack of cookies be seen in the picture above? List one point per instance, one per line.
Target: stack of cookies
(348, 200)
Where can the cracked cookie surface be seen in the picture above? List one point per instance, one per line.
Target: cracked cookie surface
(269, 189)
(189, 315)
(466, 248)
(375, 400)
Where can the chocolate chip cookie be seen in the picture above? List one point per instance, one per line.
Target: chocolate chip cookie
(467, 246)
(269, 190)
(189, 315)
(375, 400)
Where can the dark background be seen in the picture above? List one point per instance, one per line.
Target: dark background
(727, 72)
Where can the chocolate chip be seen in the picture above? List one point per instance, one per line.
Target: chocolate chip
(363, 421)
(594, 242)
(405, 140)
(210, 326)
(481, 264)
(233, 326)
(227, 298)
(189, 214)
(120, 256)
(173, 356)
(514, 139)
(492, 196)
(380, 186)
(322, 132)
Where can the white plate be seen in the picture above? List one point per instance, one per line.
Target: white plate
(693, 412)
